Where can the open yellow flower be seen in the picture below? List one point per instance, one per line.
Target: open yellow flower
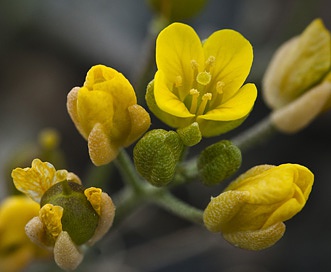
(202, 82)
(106, 113)
(69, 216)
(251, 210)
(16, 249)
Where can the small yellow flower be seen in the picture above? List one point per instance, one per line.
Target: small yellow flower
(202, 82)
(251, 210)
(106, 113)
(35, 181)
(70, 215)
(16, 249)
(297, 83)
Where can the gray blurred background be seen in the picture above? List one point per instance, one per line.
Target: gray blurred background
(46, 48)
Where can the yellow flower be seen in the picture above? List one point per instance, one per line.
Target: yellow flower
(296, 84)
(70, 215)
(16, 249)
(202, 83)
(106, 113)
(35, 181)
(251, 210)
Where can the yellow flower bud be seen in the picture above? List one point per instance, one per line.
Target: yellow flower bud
(251, 211)
(156, 156)
(106, 113)
(295, 84)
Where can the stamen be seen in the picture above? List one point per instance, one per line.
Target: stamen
(209, 63)
(194, 103)
(178, 81)
(195, 65)
(204, 100)
(203, 78)
(219, 87)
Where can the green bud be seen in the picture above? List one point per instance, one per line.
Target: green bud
(156, 156)
(190, 135)
(176, 10)
(79, 218)
(218, 162)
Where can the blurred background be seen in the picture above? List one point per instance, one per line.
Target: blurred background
(46, 48)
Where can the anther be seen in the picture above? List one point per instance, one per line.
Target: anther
(209, 63)
(219, 87)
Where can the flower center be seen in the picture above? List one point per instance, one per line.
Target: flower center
(204, 94)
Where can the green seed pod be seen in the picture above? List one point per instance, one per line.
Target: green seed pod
(218, 162)
(156, 156)
(190, 135)
(79, 218)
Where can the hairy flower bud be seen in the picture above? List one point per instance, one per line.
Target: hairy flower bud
(296, 84)
(251, 210)
(106, 113)
(156, 156)
(218, 162)
(76, 209)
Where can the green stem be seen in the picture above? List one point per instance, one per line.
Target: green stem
(138, 191)
(128, 171)
(178, 207)
(255, 135)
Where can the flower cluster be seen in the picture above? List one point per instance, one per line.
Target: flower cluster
(199, 90)
(69, 214)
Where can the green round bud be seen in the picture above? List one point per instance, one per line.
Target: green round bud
(218, 162)
(190, 135)
(79, 218)
(177, 10)
(156, 156)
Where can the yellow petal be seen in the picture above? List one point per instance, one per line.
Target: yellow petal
(35, 181)
(176, 46)
(271, 186)
(167, 118)
(236, 107)
(51, 216)
(168, 101)
(93, 195)
(98, 74)
(256, 239)
(94, 107)
(233, 59)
